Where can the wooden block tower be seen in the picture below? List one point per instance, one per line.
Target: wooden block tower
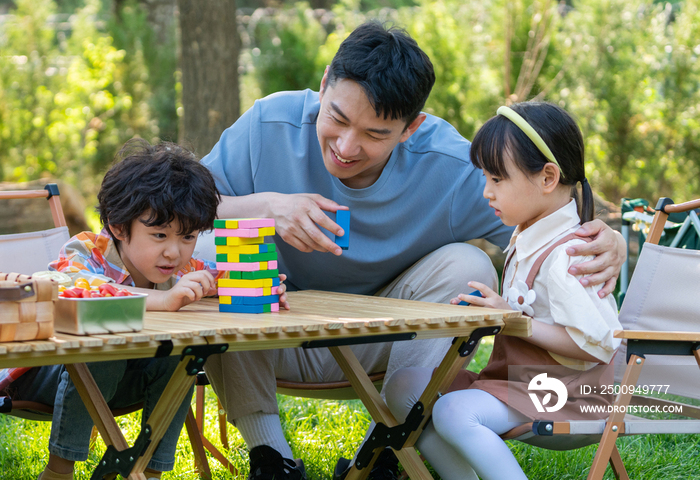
(251, 279)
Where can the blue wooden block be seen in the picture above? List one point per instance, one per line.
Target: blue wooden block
(244, 308)
(476, 293)
(276, 282)
(342, 218)
(255, 300)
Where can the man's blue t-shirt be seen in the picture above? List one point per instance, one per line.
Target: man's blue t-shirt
(428, 195)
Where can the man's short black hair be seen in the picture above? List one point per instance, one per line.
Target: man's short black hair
(395, 74)
(165, 182)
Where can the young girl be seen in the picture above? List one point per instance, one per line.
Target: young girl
(532, 157)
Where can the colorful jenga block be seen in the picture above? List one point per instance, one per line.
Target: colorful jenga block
(247, 292)
(251, 280)
(236, 241)
(233, 300)
(244, 232)
(249, 249)
(245, 266)
(268, 307)
(342, 218)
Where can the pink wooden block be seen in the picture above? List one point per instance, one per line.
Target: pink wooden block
(238, 267)
(238, 232)
(272, 265)
(274, 307)
(256, 222)
(246, 292)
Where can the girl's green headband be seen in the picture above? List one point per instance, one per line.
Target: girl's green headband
(527, 129)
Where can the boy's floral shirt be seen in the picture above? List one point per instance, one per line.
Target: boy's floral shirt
(95, 256)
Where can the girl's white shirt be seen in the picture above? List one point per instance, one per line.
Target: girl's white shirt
(560, 299)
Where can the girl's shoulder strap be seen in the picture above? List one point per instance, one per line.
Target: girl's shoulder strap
(540, 260)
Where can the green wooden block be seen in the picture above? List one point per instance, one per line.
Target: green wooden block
(254, 257)
(234, 275)
(259, 274)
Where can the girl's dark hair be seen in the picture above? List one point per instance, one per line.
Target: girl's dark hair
(500, 138)
(165, 182)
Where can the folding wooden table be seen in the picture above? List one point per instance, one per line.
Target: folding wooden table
(317, 319)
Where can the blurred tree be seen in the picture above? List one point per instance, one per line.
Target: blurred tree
(209, 64)
(67, 103)
(632, 79)
(147, 29)
(285, 50)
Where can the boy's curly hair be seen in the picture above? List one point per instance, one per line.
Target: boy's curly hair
(164, 182)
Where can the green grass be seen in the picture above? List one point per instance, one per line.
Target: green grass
(320, 431)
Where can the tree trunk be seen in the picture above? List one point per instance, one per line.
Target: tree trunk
(209, 64)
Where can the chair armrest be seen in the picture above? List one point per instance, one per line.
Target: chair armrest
(653, 335)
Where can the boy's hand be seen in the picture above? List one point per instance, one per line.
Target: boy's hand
(488, 298)
(282, 292)
(190, 288)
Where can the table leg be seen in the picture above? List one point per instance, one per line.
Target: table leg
(455, 359)
(191, 362)
(98, 409)
(121, 458)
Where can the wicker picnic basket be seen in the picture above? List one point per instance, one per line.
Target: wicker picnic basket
(26, 307)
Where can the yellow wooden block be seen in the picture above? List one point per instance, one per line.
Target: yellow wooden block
(232, 283)
(263, 265)
(266, 231)
(233, 241)
(224, 300)
(231, 223)
(237, 249)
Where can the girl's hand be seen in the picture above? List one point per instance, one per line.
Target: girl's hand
(488, 298)
(282, 292)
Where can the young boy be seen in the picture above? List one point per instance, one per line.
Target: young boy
(153, 204)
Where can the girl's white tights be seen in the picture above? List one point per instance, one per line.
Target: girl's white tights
(463, 438)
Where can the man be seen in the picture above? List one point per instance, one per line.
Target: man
(360, 143)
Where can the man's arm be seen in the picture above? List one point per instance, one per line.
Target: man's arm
(233, 161)
(610, 251)
(297, 217)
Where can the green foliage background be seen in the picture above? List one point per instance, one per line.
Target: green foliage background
(72, 91)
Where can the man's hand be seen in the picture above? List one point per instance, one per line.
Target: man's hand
(488, 298)
(190, 288)
(610, 252)
(298, 217)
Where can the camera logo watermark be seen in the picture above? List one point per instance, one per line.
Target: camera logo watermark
(543, 383)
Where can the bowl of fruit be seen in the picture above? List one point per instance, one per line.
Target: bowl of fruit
(85, 309)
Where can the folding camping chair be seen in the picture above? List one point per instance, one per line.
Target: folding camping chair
(681, 229)
(43, 245)
(660, 320)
